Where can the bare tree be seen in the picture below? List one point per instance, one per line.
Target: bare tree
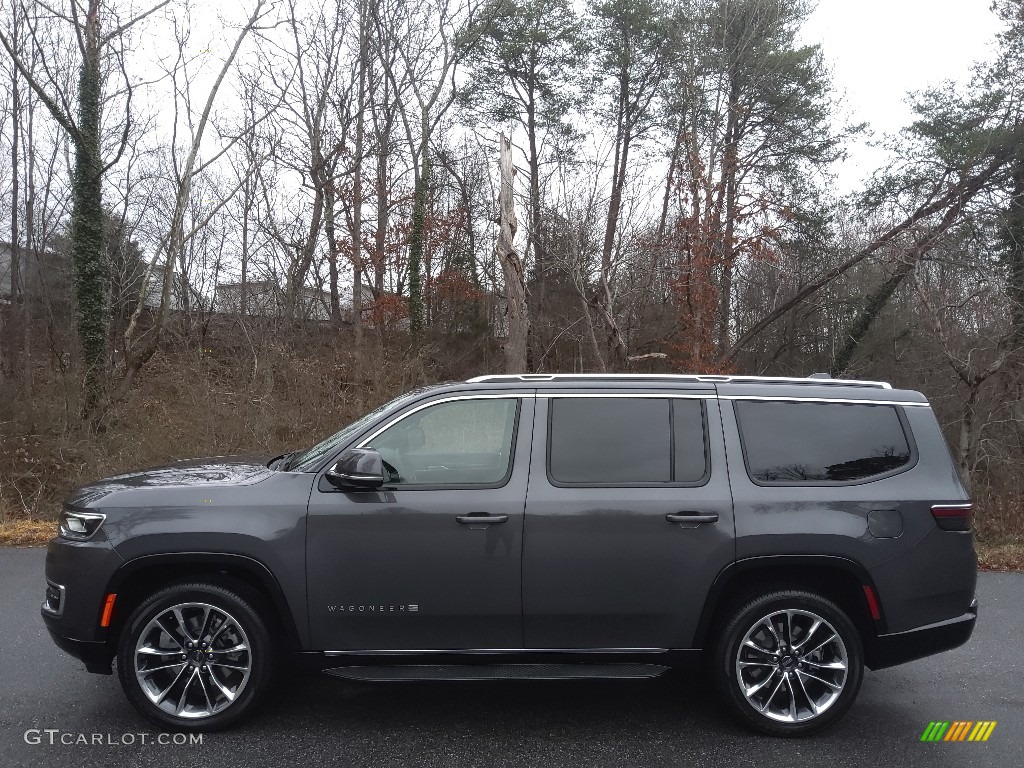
(139, 348)
(431, 41)
(83, 125)
(511, 266)
(634, 55)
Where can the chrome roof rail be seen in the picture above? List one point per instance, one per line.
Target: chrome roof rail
(817, 379)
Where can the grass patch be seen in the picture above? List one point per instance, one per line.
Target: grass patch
(1001, 554)
(24, 532)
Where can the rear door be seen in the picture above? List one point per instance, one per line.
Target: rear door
(628, 518)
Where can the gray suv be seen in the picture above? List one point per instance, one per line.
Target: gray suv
(537, 526)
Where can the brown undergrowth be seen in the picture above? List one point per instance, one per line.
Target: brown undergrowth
(219, 396)
(227, 395)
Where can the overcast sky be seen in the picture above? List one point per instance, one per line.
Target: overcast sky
(881, 49)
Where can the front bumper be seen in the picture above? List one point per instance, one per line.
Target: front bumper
(901, 647)
(80, 573)
(96, 654)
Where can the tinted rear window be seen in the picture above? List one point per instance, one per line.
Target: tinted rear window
(689, 447)
(626, 441)
(795, 443)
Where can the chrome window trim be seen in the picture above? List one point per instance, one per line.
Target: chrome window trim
(435, 651)
(629, 395)
(840, 400)
(475, 396)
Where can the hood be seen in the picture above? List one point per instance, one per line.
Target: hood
(218, 470)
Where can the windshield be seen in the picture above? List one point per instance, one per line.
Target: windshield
(306, 460)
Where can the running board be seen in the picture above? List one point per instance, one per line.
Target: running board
(400, 672)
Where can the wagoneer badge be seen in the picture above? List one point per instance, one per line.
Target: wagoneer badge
(373, 609)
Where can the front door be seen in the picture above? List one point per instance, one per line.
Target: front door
(431, 561)
(628, 518)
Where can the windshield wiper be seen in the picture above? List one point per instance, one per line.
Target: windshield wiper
(282, 462)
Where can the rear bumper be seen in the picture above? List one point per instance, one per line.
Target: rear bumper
(901, 647)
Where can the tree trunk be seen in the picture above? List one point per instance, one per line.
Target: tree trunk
(417, 234)
(31, 250)
(416, 237)
(970, 431)
(670, 182)
(380, 234)
(727, 243)
(873, 305)
(15, 318)
(511, 266)
(619, 165)
(87, 251)
(602, 302)
(540, 256)
(332, 253)
(298, 270)
(595, 347)
(357, 183)
(243, 288)
(185, 288)
(1014, 239)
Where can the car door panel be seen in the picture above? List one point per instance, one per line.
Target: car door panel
(606, 567)
(395, 570)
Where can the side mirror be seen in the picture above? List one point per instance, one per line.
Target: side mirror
(357, 469)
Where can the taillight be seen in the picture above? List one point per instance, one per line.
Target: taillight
(872, 598)
(952, 517)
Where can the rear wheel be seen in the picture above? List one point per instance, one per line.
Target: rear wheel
(789, 663)
(195, 657)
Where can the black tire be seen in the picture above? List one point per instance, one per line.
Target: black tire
(812, 704)
(199, 676)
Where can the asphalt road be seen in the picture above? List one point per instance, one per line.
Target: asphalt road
(316, 720)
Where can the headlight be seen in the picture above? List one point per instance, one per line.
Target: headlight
(80, 525)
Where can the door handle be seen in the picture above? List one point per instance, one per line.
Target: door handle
(692, 517)
(476, 518)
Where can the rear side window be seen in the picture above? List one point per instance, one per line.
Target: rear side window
(689, 445)
(808, 443)
(626, 441)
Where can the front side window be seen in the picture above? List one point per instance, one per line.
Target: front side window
(308, 459)
(626, 441)
(456, 443)
(801, 443)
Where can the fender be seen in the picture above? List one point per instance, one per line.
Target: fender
(251, 566)
(722, 581)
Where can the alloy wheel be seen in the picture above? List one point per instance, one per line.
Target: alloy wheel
(791, 666)
(193, 660)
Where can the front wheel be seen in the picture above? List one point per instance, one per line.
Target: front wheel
(789, 663)
(195, 657)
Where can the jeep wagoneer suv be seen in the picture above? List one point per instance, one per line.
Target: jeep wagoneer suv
(537, 526)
